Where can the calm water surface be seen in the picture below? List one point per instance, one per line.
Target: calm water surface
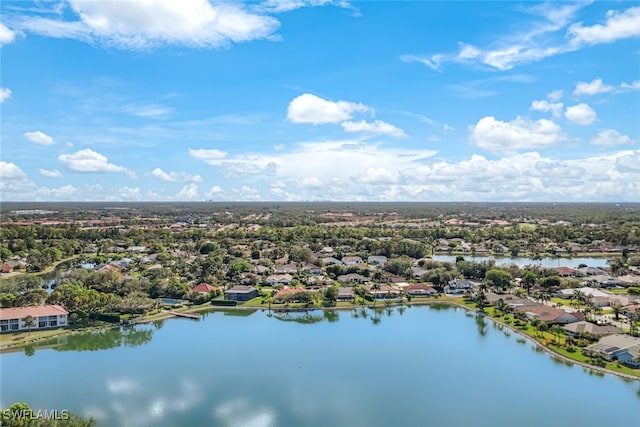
(523, 261)
(417, 366)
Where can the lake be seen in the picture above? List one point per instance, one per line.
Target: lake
(415, 366)
(523, 261)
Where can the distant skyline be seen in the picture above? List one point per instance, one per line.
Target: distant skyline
(314, 100)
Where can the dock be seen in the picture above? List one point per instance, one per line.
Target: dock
(186, 315)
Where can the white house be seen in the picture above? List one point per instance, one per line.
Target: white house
(622, 347)
(44, 316)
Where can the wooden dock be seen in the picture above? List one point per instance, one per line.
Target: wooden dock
(186, 315)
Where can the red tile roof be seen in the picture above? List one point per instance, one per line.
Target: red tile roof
(203, 288)
(33, 311)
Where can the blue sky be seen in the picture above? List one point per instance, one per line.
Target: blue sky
(320, 100)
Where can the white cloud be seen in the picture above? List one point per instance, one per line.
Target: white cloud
(277, 6)
(610, 138)
(5, 93)
(629, 162)
(635, 85)
(50, 173)
(175, 176)
(519, 134)
(538, 41)
(278, 147)
(308, 108)
(596, 86)
(87, 160)
(207, 154)
(39, 137)
(148, 24)
(129, 193)
(10, 170)
(337, 159)
(618, 25)
(543, 105)
(188, 192)
(66, 192)
(555, 95)
(580, 114)
(6, 35)
(592, 88)
(377, 127)
(215, 192)
(14, 183)
(147, 111)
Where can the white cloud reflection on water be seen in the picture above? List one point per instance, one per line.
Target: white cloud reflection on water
(240, 412)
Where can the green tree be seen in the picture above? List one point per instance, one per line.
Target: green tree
(529, 279)
(498, 279)
(29, 322)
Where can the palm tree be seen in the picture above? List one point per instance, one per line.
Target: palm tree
(616, 309)
(29, 322)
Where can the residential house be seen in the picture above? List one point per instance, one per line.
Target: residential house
(260, 269)
(588, 328)
(605, 281)
(353, 277)
(287, 295)
(420, 290)
(312, 268)
(6, 268)
(275, 279)
(45, 316)
(621, 347)
(378, 260)
(331, 260)
(383, 291)
(345, 294)
(458, 286)
(241, 293)
(290, 268)
(591, 271)
(203, 288)
(595, 296)
(550, 315)
(351, 260)
(568, 272)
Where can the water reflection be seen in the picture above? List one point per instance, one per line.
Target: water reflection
(481, 323)
(131, 336)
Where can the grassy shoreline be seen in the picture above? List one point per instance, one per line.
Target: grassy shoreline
(559, 353)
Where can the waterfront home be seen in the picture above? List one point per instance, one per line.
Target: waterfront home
(289, 295)
(550, 315)
(345, 294)
(275, 279)
(241, 293)
(587, 328)
(458, 286)
(621, 347)
(383, 291)
(420, 290)
(44, 316)
(203, 288)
